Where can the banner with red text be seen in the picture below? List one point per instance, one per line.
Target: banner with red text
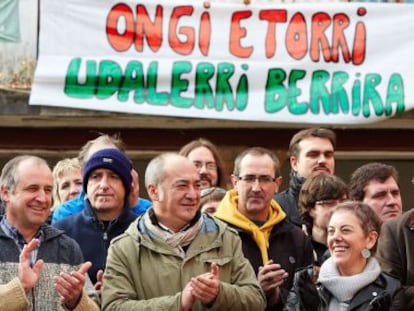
(330, 63)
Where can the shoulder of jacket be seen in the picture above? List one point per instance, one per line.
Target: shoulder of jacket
(225, 226)
(120, 237)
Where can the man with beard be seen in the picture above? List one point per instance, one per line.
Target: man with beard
(311, 152)
(206, 157)
(275, 247)
(174, 257)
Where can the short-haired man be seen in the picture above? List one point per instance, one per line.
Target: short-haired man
(311, 152)
(275, 247)
(174, 257)
(106, 183)
(376, 184)
(26, 190)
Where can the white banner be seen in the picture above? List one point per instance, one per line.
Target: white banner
(330, 63)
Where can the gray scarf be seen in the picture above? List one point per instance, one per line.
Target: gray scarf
(177, 240)
(343, 288)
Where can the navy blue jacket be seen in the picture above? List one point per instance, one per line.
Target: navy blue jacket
(289, 198)
(92, 235)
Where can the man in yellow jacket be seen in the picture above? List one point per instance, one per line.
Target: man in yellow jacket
(274, 246)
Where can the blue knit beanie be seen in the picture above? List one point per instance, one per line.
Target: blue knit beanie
(111, 159)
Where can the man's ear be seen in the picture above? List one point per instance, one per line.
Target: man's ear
(234, 180)
(152, 192)
(4, 193)
(278, 182)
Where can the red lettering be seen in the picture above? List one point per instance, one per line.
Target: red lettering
(340, 23)
(152, 31)
(120, 41)
(319, 42)
(182, 47)
(204, 34)
(358, 52)
(273, 17)
(296, 37)
(237, 33)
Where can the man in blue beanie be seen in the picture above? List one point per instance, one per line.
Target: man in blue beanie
(107, 214)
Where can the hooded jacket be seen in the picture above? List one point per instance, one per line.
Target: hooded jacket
(143, 273)
(287, 245)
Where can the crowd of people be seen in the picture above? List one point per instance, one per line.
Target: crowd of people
(81, 238)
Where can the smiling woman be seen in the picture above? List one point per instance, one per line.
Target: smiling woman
(349, 279)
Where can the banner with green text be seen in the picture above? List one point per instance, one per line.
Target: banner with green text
(331, 63)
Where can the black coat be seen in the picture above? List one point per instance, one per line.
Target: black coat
(288, 246)
(377, 296)
(288, 199)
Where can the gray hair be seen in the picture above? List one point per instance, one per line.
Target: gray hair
(154, 174)
(9, 177)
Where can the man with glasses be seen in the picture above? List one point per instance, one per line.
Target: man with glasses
(205, 156)
(274, 246)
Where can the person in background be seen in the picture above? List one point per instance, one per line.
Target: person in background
(174, 257)
(318, 195)
(67, 180)
(138, 205)
(107, 184)
(206, 157)
(351, 279)
(376, 184)
(26, 190)
(275, 247)
(395, 253)
(311, 152)
(210, 199)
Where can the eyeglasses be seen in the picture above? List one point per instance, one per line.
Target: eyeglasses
(327, 203)
(210, 166)
(207, 191)
(251, 179)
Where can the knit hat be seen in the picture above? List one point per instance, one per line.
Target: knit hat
(111, 159)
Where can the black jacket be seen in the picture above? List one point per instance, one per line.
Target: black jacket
(306, 296)
(289, 198)
(288, 246)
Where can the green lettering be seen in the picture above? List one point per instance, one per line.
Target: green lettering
(224, 92)
(356, 96)
(73, 88)
(371, 95)
(339, 96)
(319, 92)
(294, 92)
(154, 97)
(133, 81)
(109, 78)
(203, 91)
(395, 94)
(179, 85)
(276, 94)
